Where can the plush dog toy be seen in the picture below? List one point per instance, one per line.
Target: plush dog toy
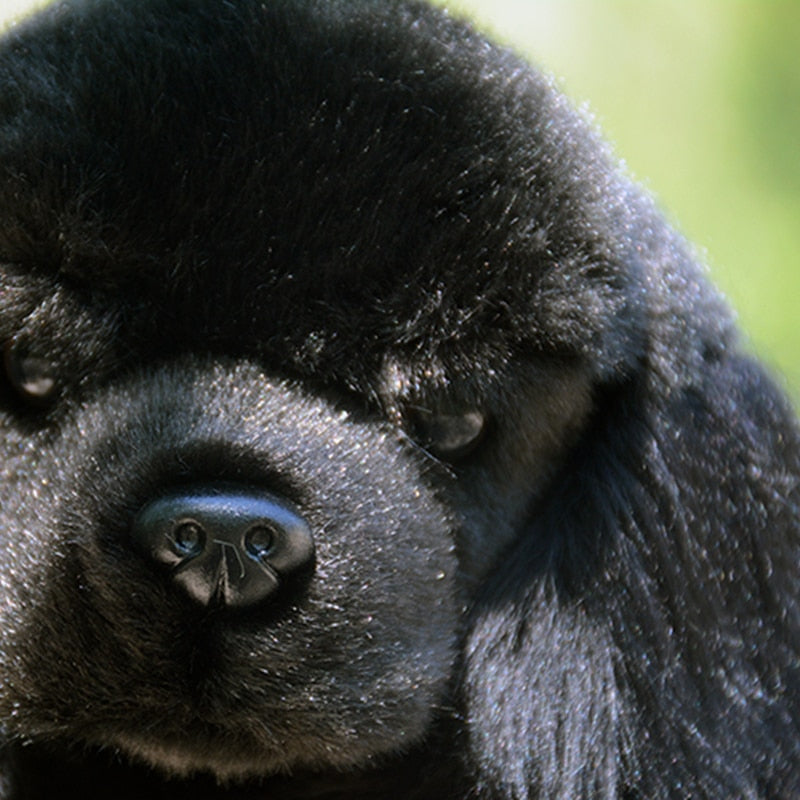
(364, 432)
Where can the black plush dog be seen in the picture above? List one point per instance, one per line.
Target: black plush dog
(365, 433)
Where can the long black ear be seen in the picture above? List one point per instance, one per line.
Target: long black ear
(641, 639)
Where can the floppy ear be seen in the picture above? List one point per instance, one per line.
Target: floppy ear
(625, 642)
(543, 705)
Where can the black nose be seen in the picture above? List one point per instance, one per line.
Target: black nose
(225, 545)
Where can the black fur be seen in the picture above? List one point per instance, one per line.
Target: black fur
(349, 251)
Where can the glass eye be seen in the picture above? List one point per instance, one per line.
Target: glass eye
(448, 436)
(31, 377)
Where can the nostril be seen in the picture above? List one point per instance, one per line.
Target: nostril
(188, 539)
(260, 541)
(224, 545)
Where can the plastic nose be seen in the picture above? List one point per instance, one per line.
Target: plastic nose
(225, 545)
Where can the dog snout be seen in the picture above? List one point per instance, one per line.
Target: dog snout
(225, 545)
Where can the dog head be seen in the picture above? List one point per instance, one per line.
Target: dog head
(303, 307)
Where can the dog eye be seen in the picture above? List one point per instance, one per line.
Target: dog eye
(30, 376)
(448, 436)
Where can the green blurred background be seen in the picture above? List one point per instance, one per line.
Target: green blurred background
(702, 101)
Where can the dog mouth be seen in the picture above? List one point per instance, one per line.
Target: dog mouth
(232, 736)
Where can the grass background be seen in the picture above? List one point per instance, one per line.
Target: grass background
(702, 100)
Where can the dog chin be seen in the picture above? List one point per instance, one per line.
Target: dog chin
(229, 763)
(182, 759)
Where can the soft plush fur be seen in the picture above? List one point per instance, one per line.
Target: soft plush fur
(350, 253)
